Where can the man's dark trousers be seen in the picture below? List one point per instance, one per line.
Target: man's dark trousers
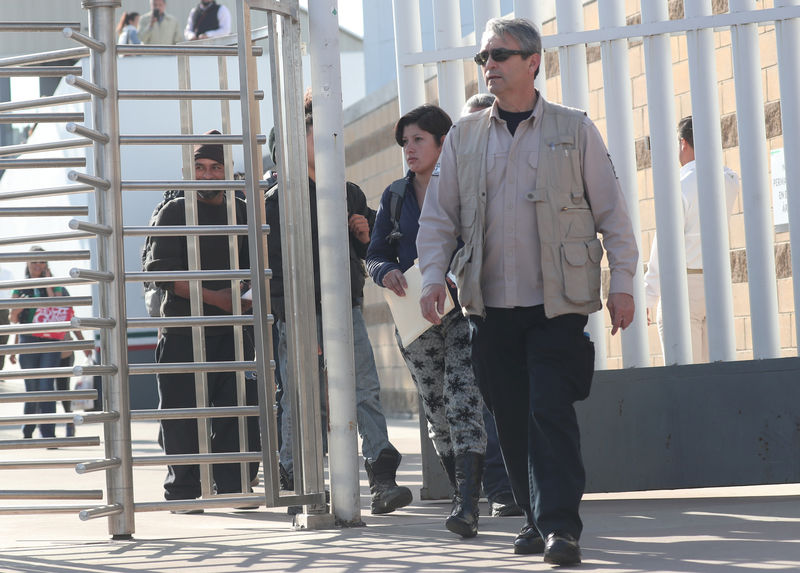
(180, 436)
(531, 369)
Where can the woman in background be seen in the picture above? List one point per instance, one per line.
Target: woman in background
(126, 29)
(36, 270)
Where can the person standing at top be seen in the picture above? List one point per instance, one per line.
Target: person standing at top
(158, 27)
(691, 239)
(527, 184)
(208, 20)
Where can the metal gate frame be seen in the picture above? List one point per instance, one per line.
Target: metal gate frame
(108, 231)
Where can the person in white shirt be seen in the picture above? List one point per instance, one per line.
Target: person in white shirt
(694, 255)
(208, 20)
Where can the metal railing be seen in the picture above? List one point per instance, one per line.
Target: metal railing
(106, 232)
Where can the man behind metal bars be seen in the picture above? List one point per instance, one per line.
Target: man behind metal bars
(527, 184)
(175, 345)
(381, 458)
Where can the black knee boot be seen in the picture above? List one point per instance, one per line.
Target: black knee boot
(382, 474)
(449, 465)
(463, 519)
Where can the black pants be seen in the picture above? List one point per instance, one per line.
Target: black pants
(180, 436)
(531, 369)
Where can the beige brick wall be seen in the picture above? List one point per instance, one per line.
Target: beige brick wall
(374, 166)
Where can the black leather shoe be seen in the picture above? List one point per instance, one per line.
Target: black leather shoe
(562, 549)
(528, 542)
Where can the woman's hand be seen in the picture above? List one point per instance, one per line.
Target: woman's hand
(12, 358)
(395, 282)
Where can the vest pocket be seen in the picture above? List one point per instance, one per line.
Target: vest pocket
(580, 266)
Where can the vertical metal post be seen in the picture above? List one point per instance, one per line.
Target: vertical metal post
(666, 189)
(334, 261)
(408, 39)
(110, 257)
(482, 13)
(575, 93)
(619, 122)
(713, 209)
(533, 11)
(755, 186)
(262, 332)
(788, 39)
(447, 34)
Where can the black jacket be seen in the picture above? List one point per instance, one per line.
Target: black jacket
(356, 205)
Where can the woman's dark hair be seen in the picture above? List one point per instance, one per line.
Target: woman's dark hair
(685, 130)
(127, 18)
(428, 117)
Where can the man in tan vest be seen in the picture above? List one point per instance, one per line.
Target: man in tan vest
(527, 185)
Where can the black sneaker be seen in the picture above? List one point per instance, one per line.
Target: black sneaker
(562, 549)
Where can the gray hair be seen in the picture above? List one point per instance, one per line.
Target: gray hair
(477, 102)
(521, 29)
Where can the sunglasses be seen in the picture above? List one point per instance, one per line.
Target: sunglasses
(498, 55)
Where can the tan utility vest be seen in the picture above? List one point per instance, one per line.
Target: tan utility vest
(570, 250)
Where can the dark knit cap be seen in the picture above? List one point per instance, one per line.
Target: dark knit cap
(210, 150)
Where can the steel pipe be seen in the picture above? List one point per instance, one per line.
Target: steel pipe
(87, 132)
(169, 276)
(195, 459)
(186, 185)
(450, 73)
(710, 178)
(52, 494)
(45, 57)
(29, 256)
(181, 321)
(38, 347)
(787, 34)
(44, 301)
(101, 511)
(27, 239)
(190, 413)
(97, 465)
(38, 26)
(33, 329)
(97, 182)
(40, 283)
(178, 231)
(90, 228)
(182, 367)
(34, 509)
(87, 41)
(666, 190)
(97, 276)
(71, 210)
(39, 72)
(39, 117)
(186, 139)
(34, 443)
(36, 373)
(47, 163)
(85, 85)
(44, 101)
(38, 464)
(35, 419)
(407, 40)
(759, 234)
(185, 94)
(35, 147)
(95, 418)
(46, 396)
(182, 50)
(205, 503)
(46, 192)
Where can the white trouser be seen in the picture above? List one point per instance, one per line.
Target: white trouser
(697, 318)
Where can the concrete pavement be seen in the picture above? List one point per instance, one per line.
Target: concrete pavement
(708, 530)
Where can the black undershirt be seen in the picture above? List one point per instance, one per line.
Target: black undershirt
(513, 118)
